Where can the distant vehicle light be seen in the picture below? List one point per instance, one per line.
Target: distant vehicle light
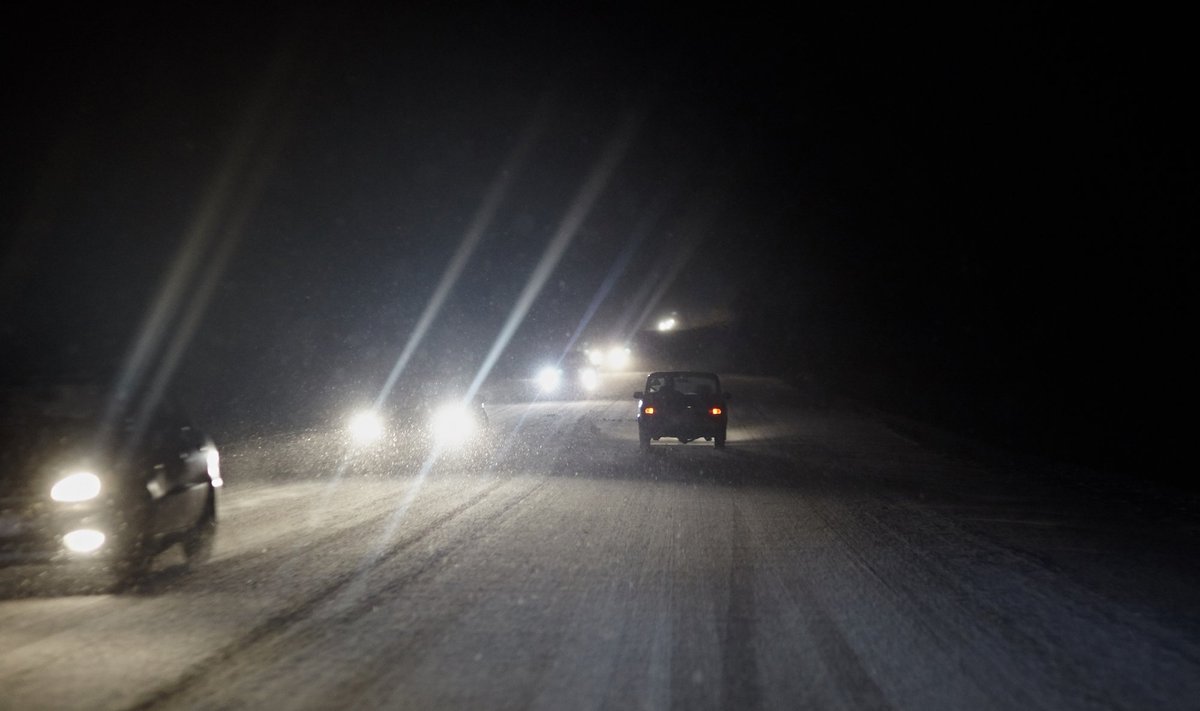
(648, 410)
(73, 488)
(452, 424)
(84, 540)
(595, 357)
(667, 324)
(366, 427)
(589, 378)
(716, 411)
(548, 379)
(618, 357)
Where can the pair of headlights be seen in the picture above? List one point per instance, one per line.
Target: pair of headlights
(549, 379)
(615, 358)
(72, 489)
(451, 424)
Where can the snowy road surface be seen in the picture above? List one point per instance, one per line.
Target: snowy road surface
(827, 559)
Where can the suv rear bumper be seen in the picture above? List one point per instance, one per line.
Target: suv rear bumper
(686, 430)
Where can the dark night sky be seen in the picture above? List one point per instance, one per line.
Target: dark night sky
(979, 219)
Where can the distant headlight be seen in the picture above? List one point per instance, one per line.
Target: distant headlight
(548, 379)
(452, 424)
(589, 379)
(366, 427)
(596, 356)
(80, 486)
(618, 357)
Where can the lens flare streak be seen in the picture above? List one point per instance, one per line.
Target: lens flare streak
(474, 234)
(580, 207)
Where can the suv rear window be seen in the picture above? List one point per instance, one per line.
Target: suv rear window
(690, 384)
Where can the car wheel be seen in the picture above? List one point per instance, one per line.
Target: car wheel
(719, 441)
(133, 565)
(198, 545)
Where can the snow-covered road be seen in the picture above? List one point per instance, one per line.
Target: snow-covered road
(826, 559)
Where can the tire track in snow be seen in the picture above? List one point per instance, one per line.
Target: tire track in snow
(282, 621)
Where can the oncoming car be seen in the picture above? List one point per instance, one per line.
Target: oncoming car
(449, 425)
(103, 497)
(573, 377)
(616, 357)
(687, 405)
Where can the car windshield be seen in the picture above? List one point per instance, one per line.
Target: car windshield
(683, 383)
(657, 383)
(695, 384)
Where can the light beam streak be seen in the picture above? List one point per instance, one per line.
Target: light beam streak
(597, 180)
(196, 242)
(201, 296)
(695, 228)
(580, 207)
(483, 217)
(640, 230)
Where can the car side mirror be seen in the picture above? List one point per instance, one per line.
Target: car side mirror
(638, 394)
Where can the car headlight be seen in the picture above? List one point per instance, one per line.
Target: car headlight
(85, 540)
(73, 488)
(548, 379)
(366, 427)
(452, 424)
(589, 379)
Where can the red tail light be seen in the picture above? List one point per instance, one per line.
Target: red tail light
(715, 411)
(648, 410)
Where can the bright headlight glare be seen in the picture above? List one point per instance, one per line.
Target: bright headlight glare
(618, 357)
(84, 540)
(588, 378)
(596, 357)
(452, 424)
(366, 427)
(548, 379)
(80, 486)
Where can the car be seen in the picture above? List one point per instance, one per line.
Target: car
(451, 425)
(84, 487)
(573, 377)
(687, 405)
(616, 357)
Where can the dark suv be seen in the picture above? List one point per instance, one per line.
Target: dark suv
(686, 405)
